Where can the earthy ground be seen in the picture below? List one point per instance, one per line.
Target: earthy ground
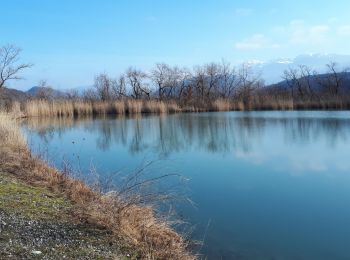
(36, 224)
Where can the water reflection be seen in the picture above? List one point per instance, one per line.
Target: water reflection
(273, 185)
(222, 133)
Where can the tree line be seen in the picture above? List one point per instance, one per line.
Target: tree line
(165, 82)
(198, 86)
(205, 83)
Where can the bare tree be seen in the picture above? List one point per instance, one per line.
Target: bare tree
(292, 77)
(104, 86)
(334, 79)
(90, 95)
(248, 84)
(199, 81)
(169, 81)
(307, 75)
(213, 71)
(228, 80)
(332, 82)
(175, 81)
(44, 90)
(10, 67)
(119, 87)
(160, 76)
(137, 82)
(184, 76)
(72, 94)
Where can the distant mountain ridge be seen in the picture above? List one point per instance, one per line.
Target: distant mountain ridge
(8, 94)
(315, 79)
(272, 71)
(35, 91)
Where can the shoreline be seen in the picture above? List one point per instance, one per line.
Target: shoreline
(138, 227)
(81, 108)
(19, 164)
(36, 223)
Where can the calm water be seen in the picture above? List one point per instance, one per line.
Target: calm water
(265, 185)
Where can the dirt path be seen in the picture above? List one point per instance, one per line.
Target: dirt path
(36, 224)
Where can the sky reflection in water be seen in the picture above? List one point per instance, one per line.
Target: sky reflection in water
(273, 185)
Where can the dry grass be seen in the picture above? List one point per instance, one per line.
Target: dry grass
(221, 105)
(10, 134)
(132, 224)
(134, 106)
(80, 108)
(238, 106)
(43, 108)
(272, 103)
(173, 107)
(154, 106)
(119, 107)
(70, 108)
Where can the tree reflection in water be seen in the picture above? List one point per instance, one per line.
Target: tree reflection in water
(210, 132)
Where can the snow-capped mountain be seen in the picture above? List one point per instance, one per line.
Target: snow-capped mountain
(272, 71)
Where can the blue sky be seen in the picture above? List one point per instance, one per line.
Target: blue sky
(70, 41)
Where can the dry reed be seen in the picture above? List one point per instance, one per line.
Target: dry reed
(80, 108)
(70, 108)
(221, 105)
(10, 134)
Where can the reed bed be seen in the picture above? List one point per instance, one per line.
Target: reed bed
(42, 108)
(80, 108)
(134, 106)
(70, 108)
(222, 105)
(10, 134)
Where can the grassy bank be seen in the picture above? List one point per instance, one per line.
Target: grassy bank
(129, 224)
(38, 224)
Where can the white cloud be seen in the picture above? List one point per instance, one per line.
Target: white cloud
(303, 34)
(253, 62)
(300, 36)
(297, 32)
(257, 41)
(344, 30)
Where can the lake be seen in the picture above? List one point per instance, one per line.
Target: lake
(264, 185)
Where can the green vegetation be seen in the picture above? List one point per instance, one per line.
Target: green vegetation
(29, 201)
(35, 222)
